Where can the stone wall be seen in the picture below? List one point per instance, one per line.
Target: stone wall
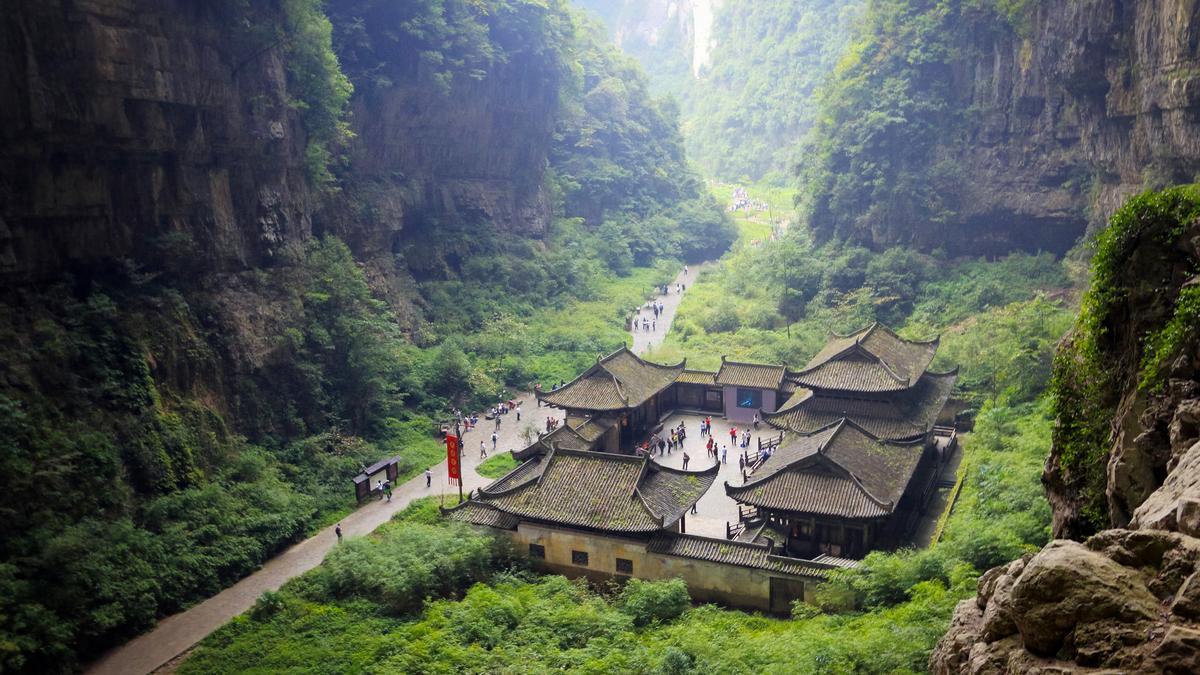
(731, 585)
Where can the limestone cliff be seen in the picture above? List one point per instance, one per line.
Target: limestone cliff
(1092, 103)
(1017, 131)
(1126, 455)
(127, 120)
(148, 137)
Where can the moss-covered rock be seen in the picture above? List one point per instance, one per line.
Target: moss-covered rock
(1124, 369)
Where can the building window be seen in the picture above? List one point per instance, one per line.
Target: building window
(624, 566)
(537, 551)
(749, 398)
(579, 558)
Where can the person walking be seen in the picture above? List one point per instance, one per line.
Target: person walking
(497, 421)
(724, 454)
(338, 531)
(495, 440)
(518, 413)
(685, 461)
(733, 435)
(482, 450)
(428, 478)
(755, 420)
(537, 391)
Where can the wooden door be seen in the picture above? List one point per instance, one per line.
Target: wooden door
(783, 593)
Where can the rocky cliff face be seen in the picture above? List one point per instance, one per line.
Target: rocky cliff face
(1093, 102)
(141, 137)
(124, 121)
(982, 130)
(1124, 599)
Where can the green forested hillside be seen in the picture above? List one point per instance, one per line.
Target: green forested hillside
(745, 114)
(872, 158)
(127, 494)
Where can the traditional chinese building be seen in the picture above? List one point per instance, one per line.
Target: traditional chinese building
(864, 447)
(836, 491)
(596, 491)
(854, 462)
(623, 387)
(873, 377)
(601, 515)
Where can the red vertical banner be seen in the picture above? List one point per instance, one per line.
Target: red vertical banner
(452, 466)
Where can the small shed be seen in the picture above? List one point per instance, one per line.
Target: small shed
(385, 470)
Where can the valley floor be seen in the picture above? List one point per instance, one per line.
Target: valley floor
(178, 633)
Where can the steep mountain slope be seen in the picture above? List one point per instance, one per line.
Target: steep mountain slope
(1126, 455)
(744, 73)
(225, 261)
(984, 127)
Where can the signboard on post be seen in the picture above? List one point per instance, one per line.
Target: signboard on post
(452, 456)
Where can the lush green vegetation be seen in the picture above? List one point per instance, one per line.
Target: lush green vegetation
(746, 115)
(153, 453)
(1136, 253)
(322, 90)
(343, 617)
(999, 320)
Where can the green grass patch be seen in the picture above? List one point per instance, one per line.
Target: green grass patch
(496, 465)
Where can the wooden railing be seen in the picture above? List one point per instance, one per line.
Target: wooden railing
(747, 512)
(732, 531)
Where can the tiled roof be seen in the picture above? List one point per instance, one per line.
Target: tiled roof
(757, 375)
(618, 381)
(597, 490)
(671, 492)
(902, 415)
(377, 466)
(731, 553)
(697, 377)
(564, 436)
(838, 471)
(530, 469)
(874, 359)
(847, 563)
(482, 514)
(826, 494)
(593, 428)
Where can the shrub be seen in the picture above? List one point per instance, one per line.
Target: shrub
(654, 601)
(399, 572)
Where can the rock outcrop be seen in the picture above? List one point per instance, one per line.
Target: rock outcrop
(1123, 601)
(1127, 599)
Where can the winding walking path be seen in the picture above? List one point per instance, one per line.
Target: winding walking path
(178, 633)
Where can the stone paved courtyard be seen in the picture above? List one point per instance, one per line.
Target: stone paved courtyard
(715, 509)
